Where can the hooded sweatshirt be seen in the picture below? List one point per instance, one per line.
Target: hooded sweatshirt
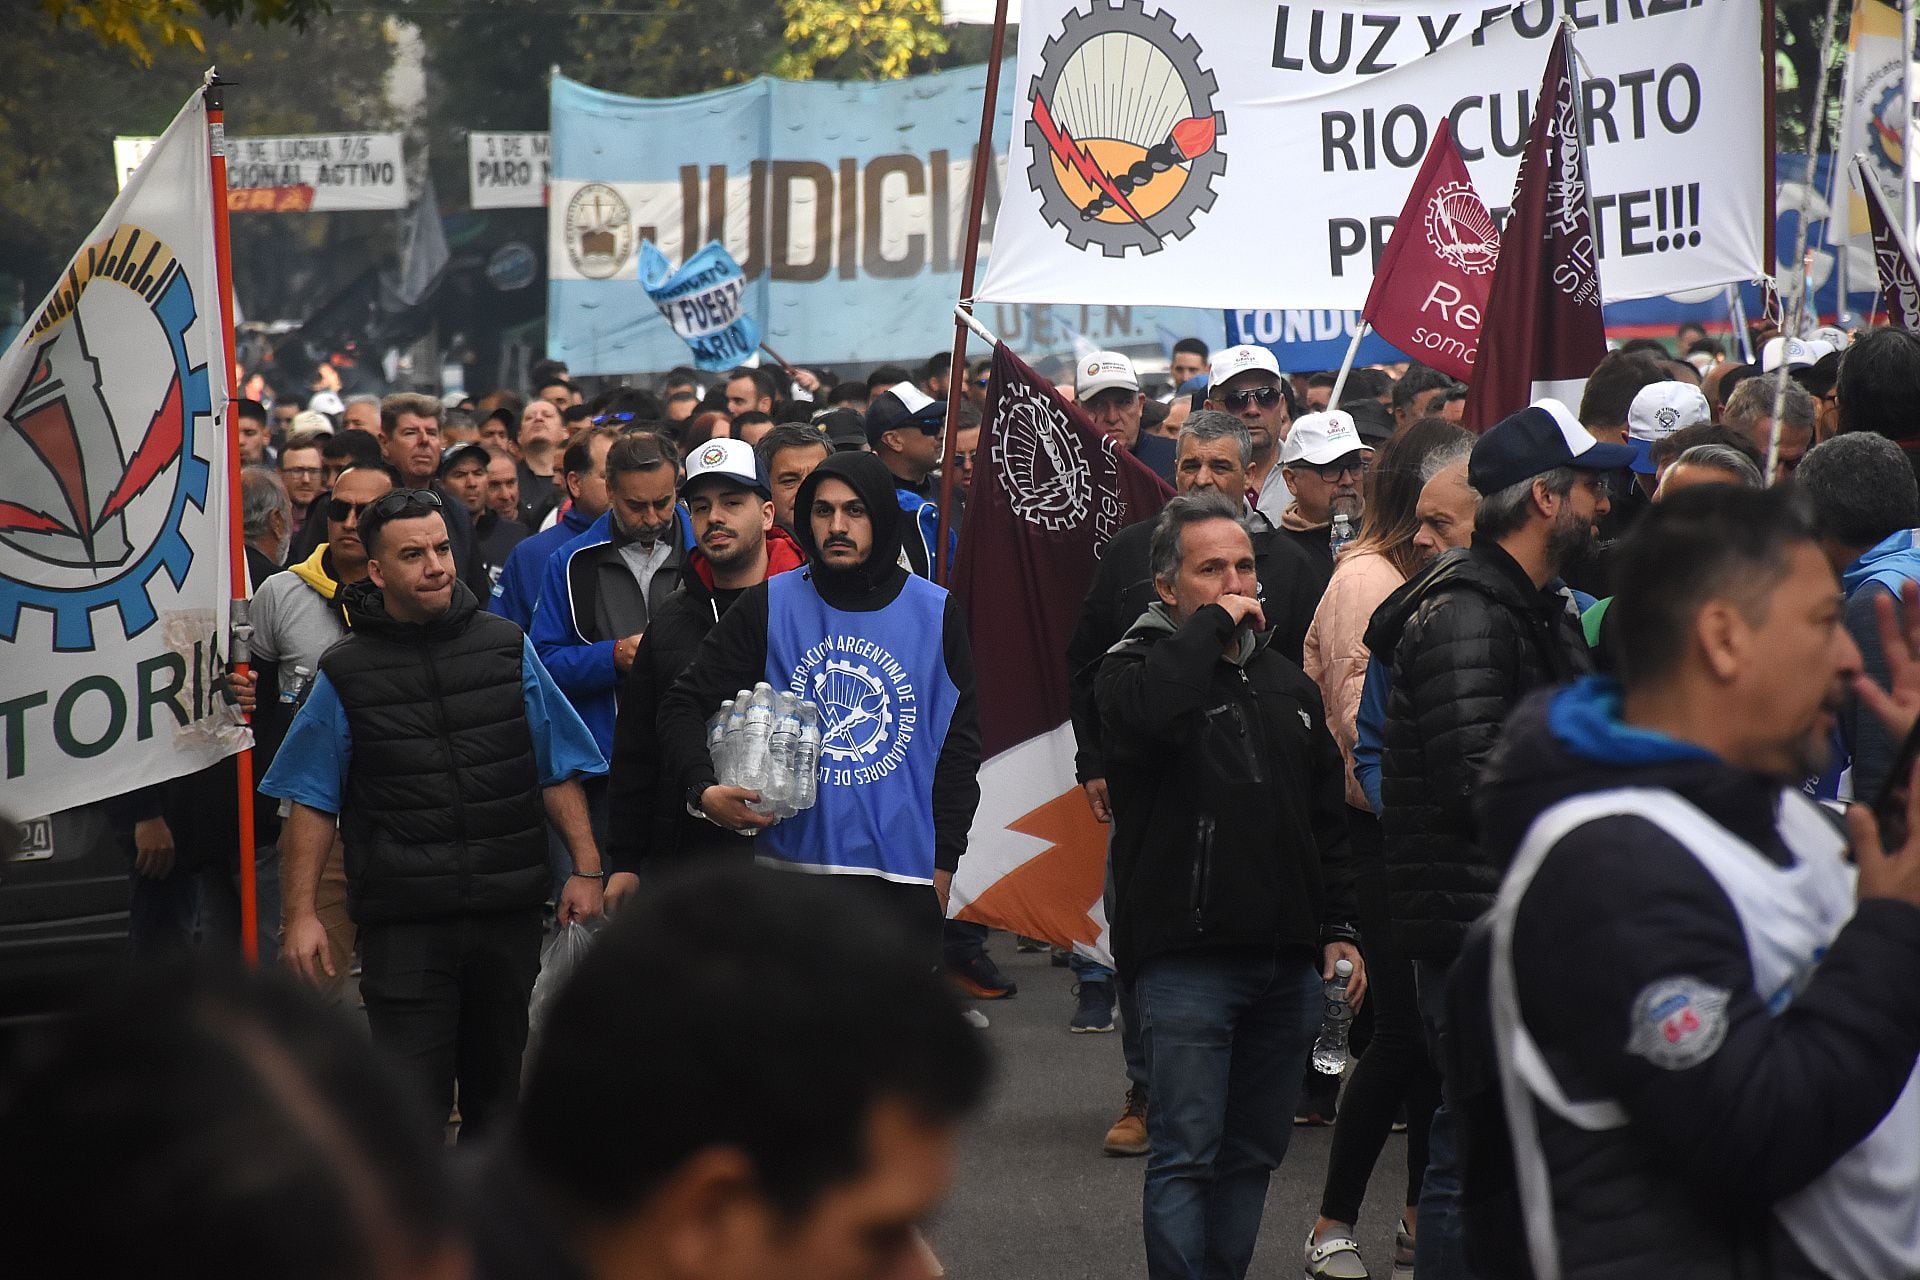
(871, 700)
(1637, 980)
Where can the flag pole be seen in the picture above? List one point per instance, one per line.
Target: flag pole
(236, 531)
(969, 259)
(1346, 365)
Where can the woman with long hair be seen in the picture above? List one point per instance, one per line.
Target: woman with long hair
(1395, 1070)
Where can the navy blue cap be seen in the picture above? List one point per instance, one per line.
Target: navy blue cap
(1539, 438)
(455, 452)
(904, 405)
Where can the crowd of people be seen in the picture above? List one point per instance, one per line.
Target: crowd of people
(1540, 734)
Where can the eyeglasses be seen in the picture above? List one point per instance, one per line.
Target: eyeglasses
(1265, 397)
(979, 382)
(1338, 469)
(607, 419)
(964, 457)
(338, 509)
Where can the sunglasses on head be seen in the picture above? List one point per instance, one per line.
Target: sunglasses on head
(1265, 397)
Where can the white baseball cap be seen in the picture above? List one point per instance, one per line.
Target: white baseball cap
(1237, 360)
(327, 402)
(1659, 410)
(1102, 371)
(1791, 353)
(725, 459)
(1321, 438)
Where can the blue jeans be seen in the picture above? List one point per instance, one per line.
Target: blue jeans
(1226, 1038)
(1439, 1248)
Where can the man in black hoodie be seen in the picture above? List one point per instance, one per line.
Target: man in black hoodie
(1232, 902)
(736, 544)
(885, 655)
(442, 747)
(1464, 639)
(1688, 1051)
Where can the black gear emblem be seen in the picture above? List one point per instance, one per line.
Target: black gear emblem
(1122, 130)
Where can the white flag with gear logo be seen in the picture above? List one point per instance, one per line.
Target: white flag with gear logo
(113, 502)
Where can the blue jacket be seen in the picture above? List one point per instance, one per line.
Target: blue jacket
(518, 591)
(583, 667)
(921, 532)
(1860, 742)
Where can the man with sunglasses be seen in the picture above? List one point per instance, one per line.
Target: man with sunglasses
(1106, 386)
(903, 430)
(440, 745)
(297, 616)
(1245, 382)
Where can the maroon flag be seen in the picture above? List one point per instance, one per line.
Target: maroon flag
(1543, 330)
(1049, 492)
(1430, 289)
(1899, 278)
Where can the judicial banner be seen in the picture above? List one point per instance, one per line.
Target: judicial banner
(113, 502)
(1217, 154)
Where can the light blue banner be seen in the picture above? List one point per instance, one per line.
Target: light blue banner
(844, 203)
(701, 303)
(1309, 341)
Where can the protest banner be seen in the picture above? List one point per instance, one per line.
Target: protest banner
(1158, 152)
(308, 173)
(114, 500)
(1544, 328)
(1892, 250)
(844, 203)
(507, 170)
(1048, 494)
(1308, 341)
(702, 303)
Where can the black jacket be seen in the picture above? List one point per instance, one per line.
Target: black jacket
(1290, 588)
(442, 813)
(494, 540)
(1685, 1190)
(647, 817)
(734, 656)
(1229, 827)
(1467, 637)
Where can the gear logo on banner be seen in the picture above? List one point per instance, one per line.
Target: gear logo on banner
(94, 481)
(1461, 230)
(1040, 463)
(1123, 131)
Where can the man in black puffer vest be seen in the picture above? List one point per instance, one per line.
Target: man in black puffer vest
(1464, 639)
(442, 747)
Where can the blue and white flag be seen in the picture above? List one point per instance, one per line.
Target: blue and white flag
(703, 301)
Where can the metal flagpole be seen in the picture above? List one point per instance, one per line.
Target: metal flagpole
(969, 260)
(1906, 143)
(236, 534)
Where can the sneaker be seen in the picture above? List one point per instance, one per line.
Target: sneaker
(1128, 1137)
(1319, 1101)
(1096, 1008)
(979, 977)
(1403, 1253)
(1335, 1258)
(1028, 946)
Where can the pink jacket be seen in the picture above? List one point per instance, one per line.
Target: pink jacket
(1336, 651)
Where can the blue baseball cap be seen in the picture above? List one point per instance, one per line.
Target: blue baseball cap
(1539, 438)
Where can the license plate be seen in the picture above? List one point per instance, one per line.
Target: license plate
(36, 840)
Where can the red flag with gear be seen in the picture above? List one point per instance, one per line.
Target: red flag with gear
(1049, 492)
(1543, 332)
(1430, 290)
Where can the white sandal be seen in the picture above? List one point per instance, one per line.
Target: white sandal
(1327, 1260)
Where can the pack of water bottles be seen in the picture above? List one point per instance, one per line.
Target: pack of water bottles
(768, 742)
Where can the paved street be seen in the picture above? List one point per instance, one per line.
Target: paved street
(1035, 1199)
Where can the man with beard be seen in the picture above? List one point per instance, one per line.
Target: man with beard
(736, 545)
(1685, 1048)
(885, 655)
(601, 588)
(1326, 471)
(1464, 640)
(1245, 382)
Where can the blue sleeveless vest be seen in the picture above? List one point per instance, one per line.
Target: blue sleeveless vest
(880, 680)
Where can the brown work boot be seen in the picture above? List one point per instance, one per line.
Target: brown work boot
(1128, 1137)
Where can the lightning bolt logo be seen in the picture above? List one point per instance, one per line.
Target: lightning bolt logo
(1075, 157)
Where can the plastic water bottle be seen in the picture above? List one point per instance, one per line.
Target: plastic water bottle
(736, 726)
(782, 749)
(1330, 1050)
(1341, 533)
(717, 739)
(806, 759)
(296, 688)
(754, 759)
